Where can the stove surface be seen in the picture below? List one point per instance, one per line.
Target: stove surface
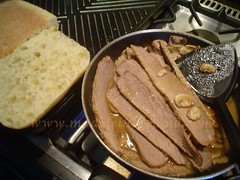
(185, 22)
(76, 153)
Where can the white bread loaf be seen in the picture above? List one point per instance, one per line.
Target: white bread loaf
(19, 20)
(36, 75)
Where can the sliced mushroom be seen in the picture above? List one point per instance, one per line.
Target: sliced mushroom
(156, 44)
(162, 72)
(183, 100)
(187, 49)
(207, 68)
(217, 145)
(221, 160)
(216, 149)
(175, 49)
(177, 40)
(194, 113)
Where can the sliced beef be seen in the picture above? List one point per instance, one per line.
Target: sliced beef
(151, 155)
(142, 125)
(126, 55)
(104, 74)
(120, 60)
(160, 59)
(207, 160)
(170, 58)
(170, 86)
(135, 68)
(168, 169)
(157, 111)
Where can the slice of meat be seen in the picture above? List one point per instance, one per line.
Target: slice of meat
(207, 160)
(133, 67)
(142, 125)
(168, 169)
(170, 58)
(120, 60)
(170, 86)
(157, 111)
(151, 155)
(125, 55)
(104, 74)
(161, 61)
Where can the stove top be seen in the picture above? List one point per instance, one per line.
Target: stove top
(71, 151)
(210, 29)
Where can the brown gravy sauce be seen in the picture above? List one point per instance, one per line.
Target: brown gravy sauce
(217, 149)
(123, 138)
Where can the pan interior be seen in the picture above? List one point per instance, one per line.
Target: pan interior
(114, 49)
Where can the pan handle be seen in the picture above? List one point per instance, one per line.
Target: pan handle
(231, 130)
(75, 129)
(78, 132)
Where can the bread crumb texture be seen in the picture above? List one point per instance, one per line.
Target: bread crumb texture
(36, 75)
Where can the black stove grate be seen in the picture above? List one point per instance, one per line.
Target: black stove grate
(220, 10)
(94, 23)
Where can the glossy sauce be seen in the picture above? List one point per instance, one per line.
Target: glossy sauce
(124, 139)
(217, 149)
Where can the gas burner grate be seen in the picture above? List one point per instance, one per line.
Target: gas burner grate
(95, 23)
(233, 13)
(220, 8)
(212, 5)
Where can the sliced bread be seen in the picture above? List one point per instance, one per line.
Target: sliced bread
(36, 75)
(20, 20)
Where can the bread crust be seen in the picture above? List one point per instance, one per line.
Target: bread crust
(19, 21)
(38, 63)
(37, 75)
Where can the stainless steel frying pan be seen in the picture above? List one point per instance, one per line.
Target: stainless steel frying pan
(114, 49)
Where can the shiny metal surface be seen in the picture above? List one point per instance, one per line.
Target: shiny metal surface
(57, 162)
(114, 49)
(185, 23)
(217, 7)
(78, 132)
(79, 19)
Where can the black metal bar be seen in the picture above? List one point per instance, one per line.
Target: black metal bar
(229, 31)
(194, 13)
(167, 20)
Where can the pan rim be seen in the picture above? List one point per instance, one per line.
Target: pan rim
(93, 61)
